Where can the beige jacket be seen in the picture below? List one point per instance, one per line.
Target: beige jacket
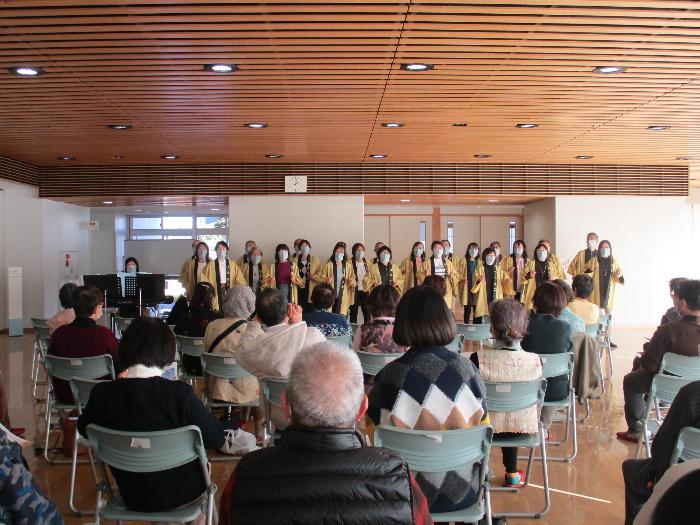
(587, 378)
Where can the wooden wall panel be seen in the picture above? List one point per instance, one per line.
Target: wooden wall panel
(17, 171)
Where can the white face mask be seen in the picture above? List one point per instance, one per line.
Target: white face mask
(605, 252)
(359, 255)
(518, 250)
(498, 252)
(385, 258)
(542, 255)
(417, 251)
(339, 256)
(221, 255)
(131, 269)
(473, 252)
(201, 254)
(305, 249)
(437, 252)
(283, 255)
(490, 259)
(256, 259)
(592, 244)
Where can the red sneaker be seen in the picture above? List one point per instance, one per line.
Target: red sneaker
(18, 431)
(632, 437)
(519, 483)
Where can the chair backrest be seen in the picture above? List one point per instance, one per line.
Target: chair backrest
(343, 340)
(687, 446)
(148, 451)
(372, 362)
(457, 344)
(272, 391)
(681, 365)
(38, 322)
(593, 330)
(474, 332)
(81, 367)
(193, 346)
(172, 328)
(605, 320)
(554, 365)
(510, 397)
(355, 327)
(665, 388)
(435, 450)
(81, 389)
(42, 335)
(122, 323)
(223, 366)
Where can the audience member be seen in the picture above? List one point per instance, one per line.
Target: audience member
(329, 475)
(194, 321)
(642, 474)
(507, 362)
(546, 334)
(672, 313)
(582, 285)
(222, 337)
(67, 314)
(83, 337)
(143, 401)
(575, 322)
(436, 282)
(674, 500)
(376, 335)
(680, 337)
(320, 315)
(21, 500)
(430, 388)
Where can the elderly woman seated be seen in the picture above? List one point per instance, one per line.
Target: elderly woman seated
(376, 335)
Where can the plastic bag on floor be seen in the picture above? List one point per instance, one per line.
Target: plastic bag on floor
(238, 442)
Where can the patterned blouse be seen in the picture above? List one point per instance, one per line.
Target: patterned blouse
(377, 336)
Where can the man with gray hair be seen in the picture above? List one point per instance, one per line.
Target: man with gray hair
(322, 471)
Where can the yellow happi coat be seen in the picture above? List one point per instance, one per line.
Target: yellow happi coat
(350, 284)
(615, 274)
(530, 285)
(234, 277)
(502, 287)
(188, 278)
(314, 272)
(508, 267)
(450, 278)
(263, 270)
(464, 286)
(578, 265)
(406, 267)
(374, 278)
(295, 278)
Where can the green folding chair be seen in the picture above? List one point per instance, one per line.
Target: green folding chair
(121, 323)
(664, 389)
(142, 452)
(67, 368)
(193, 347)
(593, 330)
(687, 446)
(271, 390)
(457, 344)
(442, 451)
(511, 397)
(681, 366)
(475, 332)
(604, 331)
(342, 340)
(42, 335)
(372, 362)
(81, 389)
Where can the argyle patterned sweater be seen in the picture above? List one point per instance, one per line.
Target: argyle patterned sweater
(433, 389)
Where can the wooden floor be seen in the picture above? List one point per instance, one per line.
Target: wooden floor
(587, 491)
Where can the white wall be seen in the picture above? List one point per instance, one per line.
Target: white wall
(539, 220)
(270, 220)
(650, 240)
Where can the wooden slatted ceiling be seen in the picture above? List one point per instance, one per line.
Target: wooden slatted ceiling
(325, 75)
(18, 171)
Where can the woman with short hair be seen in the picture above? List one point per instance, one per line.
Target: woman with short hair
(376, 335)
(575, 322)
(321, 317)
(194, 322)
(384, 272)
(412, 267)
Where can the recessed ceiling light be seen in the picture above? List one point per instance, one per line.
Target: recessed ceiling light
(274, 156)
(118, 157)
(378, 156)
(417, 67)
(119, 127)
(483, 156)
(493, 200)
(658, 128)
(138, 210)
(221, 68)
(26, 71)
(168, 157)
(255, 125)
(405, 200)
(214, 209)
(526, 126)
(460, 125)
(392, 124)
(107, 202)
(584, 157)
(607, 70)
(66, 157)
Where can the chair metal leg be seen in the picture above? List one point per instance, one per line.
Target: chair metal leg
(487, 502)
(73, 469)
(47, 418)
(587, 405)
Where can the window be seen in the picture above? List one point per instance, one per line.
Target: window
(451, 234)
(207, 228)
(511, 234)
(422, 228)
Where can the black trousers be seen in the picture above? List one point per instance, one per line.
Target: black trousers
(637, 473)
(468, 312)
(360, 298)
(510, 454)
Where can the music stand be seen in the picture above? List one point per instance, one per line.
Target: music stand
(152, 288)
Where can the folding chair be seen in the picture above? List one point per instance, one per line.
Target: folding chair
(680, 365)
(81, 389)
(511, 397)
(663, 389)
(687, 446)
(605, 328)
(372, 362)
(442, 451)
(475, 332)
(355, 327)
(193, 347)
(42, 335)
(223, 366)
(593, 330)
(121, 324)
(150, 452)
(342, 340)
(67, 368)
(457, 344)
(272, 396)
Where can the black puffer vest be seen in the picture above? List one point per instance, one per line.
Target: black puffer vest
(322, 476)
